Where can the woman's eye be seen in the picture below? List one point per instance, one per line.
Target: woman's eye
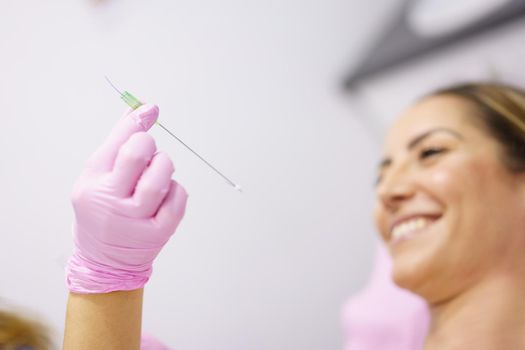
(429, 152)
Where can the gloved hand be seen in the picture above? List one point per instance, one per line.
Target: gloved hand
(126, 208)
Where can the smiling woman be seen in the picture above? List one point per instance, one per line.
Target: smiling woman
(450, 207)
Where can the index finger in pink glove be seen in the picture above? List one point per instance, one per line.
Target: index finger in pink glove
(133, 121)
(131, 161)
(152, 187)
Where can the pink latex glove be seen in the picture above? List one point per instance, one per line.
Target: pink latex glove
(383, 316)
(126, 208)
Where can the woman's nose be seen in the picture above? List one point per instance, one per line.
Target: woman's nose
(395, 188)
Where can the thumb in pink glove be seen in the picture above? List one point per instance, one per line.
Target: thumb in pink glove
(126, 208)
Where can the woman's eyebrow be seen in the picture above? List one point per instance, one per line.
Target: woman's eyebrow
(418, 139)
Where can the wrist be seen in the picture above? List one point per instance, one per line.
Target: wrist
(84, 276)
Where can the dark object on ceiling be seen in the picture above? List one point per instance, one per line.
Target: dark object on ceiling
(402, 43)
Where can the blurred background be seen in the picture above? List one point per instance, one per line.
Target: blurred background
(289, 98)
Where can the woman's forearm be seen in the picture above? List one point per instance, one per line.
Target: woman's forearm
(104, 321)
(126, 207)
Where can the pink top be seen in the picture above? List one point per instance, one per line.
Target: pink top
(148, 342)
(381, 316)
(384, 316)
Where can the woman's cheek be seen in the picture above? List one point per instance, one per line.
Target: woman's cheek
(450, 179)
(442, 181)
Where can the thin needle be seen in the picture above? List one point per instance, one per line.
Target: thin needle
(237, 187)
(113, 86)
(126, 95)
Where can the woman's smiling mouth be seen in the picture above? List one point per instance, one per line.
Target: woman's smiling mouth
(410, 226)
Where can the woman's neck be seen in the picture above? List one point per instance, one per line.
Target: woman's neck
(489, 316)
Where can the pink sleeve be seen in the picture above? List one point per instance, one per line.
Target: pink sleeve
(148, 342)
(384, 316)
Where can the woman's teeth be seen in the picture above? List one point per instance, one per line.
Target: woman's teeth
(405, 229)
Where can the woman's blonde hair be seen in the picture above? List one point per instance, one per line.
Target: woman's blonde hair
(17, 333)
(501, 112)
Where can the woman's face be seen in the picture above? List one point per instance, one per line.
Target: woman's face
(447, 208)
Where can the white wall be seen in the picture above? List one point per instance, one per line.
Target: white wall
(253, 86)
(498, 55)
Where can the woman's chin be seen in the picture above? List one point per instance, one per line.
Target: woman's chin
(415, 271)
(416, 261)
(408, 277)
